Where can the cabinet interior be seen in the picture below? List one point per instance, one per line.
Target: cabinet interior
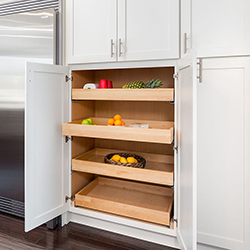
(87, 153)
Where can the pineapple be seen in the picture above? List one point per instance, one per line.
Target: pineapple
(134, 85)
(155, 83)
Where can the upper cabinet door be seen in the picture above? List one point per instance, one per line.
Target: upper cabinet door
(46, 153)
(185, 34)
(148, 29)
(91, 31)
(221, 28)
(186, 101)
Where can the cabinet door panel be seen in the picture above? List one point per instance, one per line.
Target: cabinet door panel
(221, 28)
(148, 29)
(90, 27)
(223, 153)
(186, 141)
(46, 153)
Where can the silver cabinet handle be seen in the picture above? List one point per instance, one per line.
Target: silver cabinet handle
(185, 43)
(120, 47)
(112, 48)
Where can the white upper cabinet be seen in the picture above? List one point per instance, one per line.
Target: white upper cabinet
(124, 30)
(148, 29)
(185, 26)
(90, 31)
(221, 28)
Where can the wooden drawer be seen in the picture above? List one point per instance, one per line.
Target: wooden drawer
(145, 202)
(158, 132)
(159, 168)
(163, 94)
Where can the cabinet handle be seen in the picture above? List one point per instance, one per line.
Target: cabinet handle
(185, 43)
(112, 48)
(120, 47)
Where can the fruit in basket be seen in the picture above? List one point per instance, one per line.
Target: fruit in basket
(134, 85)
(116, 158)
(135, 161)
(111, 122)
(131, 160)
(155, 83)
(117, 117)
(123, 123)
(118, 123)
(86, 122)
(90, 121)
(123, 160)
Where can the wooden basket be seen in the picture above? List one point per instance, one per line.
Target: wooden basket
(141, 161)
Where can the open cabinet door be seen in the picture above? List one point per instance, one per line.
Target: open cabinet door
(186, 154)
(46, 153)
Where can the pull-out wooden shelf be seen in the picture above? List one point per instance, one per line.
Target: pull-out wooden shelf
(159, 131)
(159, 168)
(146, 202)
(162, 94)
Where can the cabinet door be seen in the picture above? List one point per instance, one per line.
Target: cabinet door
(148, 29)
(221, 28)
(90, 30)
(46, 153)
(186, 97)
(223, 153)
(185, 34)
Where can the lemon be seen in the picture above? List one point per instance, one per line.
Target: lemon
(136, 161)
(116, 158)
(131, 160)
(123, 160)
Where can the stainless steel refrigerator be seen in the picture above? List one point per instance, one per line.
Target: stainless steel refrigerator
(28, 36)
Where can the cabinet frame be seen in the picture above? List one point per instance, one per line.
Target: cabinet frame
(146, 231)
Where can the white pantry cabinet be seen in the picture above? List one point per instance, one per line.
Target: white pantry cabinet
(223, 154)
(221, 28)
(124, 30)
(56, 168)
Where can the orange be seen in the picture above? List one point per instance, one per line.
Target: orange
(117, 117)
(123, 123)
(111, 121)
(118, 123)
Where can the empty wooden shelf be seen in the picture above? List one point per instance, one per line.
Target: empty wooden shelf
(158, 132)
(162, 94)
(159, 168)
(152, 203)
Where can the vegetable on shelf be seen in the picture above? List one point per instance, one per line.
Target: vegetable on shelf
(155, 83)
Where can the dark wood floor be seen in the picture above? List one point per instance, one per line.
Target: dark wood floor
(70, 237)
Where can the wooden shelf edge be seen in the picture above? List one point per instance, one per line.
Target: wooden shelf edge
(162, 94)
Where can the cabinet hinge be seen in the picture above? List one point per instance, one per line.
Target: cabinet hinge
(69, 198)
(68, 138)
(176, 149)
(175, 220)
(67, 78)
(175, 76)
(199, 63)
